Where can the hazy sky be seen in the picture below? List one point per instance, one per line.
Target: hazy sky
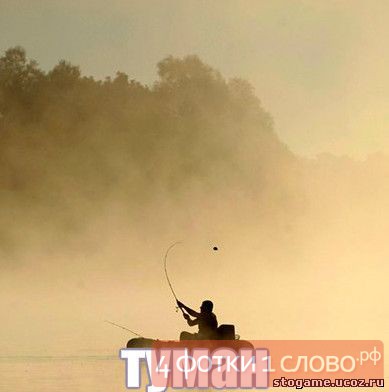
(320, 67)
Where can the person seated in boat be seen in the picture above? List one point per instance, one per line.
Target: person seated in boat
(206, 321)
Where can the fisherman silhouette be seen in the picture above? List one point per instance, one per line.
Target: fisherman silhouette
(206, 321)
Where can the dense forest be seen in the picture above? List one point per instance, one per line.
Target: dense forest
(191, 143)
(70, 142)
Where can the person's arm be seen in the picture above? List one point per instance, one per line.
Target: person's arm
(191, 322)
(189, 310)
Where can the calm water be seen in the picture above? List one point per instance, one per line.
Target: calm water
(78, 374)
(75, 374)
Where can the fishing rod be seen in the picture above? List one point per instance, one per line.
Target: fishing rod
(166, 273)
(125, 328)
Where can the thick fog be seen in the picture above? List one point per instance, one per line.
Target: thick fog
(99, 177)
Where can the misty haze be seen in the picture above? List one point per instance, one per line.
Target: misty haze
(98, 176)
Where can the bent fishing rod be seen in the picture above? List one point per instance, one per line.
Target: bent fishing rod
(170, 286)
(167, 275)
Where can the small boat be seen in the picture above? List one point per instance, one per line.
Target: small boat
(225, 338)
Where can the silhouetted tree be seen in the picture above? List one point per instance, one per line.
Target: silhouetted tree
(117, 135)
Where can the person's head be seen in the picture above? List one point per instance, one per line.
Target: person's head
(206, 306)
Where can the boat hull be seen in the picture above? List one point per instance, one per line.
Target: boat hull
(190, 344)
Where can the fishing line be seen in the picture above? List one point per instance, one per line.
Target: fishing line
(125, 328)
